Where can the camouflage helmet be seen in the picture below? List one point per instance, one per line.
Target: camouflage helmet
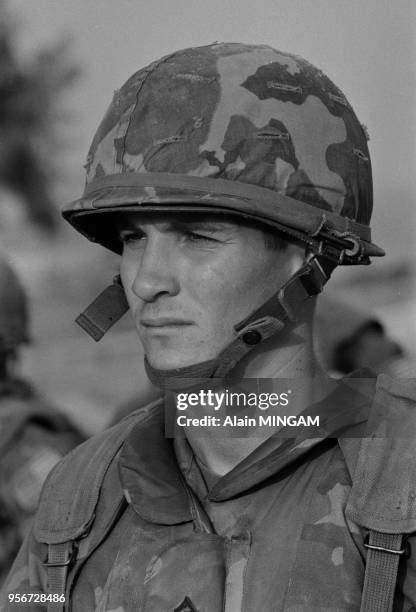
(13, 310)
(238, 129)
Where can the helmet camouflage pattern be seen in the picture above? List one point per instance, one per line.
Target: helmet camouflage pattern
(238, 129)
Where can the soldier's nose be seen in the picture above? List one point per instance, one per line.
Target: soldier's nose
(155, 274)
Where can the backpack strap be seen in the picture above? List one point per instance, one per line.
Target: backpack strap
(65, 558)
(382, 566)
(59, 559)
(81, 491)
(383, 472)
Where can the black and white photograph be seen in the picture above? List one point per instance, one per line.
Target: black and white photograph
(207, 306)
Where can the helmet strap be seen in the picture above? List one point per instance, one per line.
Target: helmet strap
(104, 311)
(280, 312)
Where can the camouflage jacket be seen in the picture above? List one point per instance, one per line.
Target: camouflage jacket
(33, 438)
(275, 533)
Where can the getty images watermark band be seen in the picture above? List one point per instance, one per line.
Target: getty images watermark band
(278, 407)
(220, 400)
(249, 406)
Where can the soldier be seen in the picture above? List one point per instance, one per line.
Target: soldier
(361, 340)
(232, 179)
(33, 436)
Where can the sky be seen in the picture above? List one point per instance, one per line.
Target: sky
(367, 47)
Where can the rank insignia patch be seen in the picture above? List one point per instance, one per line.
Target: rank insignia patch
(186, 606)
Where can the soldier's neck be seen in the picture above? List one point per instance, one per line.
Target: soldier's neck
(221, 452)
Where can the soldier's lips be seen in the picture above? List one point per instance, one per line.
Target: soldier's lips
(164, 323)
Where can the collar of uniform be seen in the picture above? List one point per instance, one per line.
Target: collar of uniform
(343, 412)
(150, 475)
(155, 486)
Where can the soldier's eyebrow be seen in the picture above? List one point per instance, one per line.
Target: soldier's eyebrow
(175, 224)
(204, 225)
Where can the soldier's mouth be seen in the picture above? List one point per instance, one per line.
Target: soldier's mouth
(163, 322)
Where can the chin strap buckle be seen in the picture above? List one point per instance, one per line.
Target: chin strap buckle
(315, 274)
(285, 305)
(332, 251)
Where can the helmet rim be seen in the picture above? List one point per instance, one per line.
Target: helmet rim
(167, 192)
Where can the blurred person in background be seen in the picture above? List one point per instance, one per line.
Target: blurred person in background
(34, 436)
(348, 339)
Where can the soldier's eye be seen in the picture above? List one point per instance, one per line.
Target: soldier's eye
(197, 237)
(132, 238)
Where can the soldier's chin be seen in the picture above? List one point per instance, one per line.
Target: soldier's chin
(172, 360)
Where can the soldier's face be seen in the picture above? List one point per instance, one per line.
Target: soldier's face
(189, 281)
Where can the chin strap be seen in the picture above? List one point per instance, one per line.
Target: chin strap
(281, 311)
(104, 311)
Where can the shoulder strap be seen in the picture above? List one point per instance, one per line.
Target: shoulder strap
(71, 491)
(59, 559)
(61, 567)
(82, 490)
(383, 470)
